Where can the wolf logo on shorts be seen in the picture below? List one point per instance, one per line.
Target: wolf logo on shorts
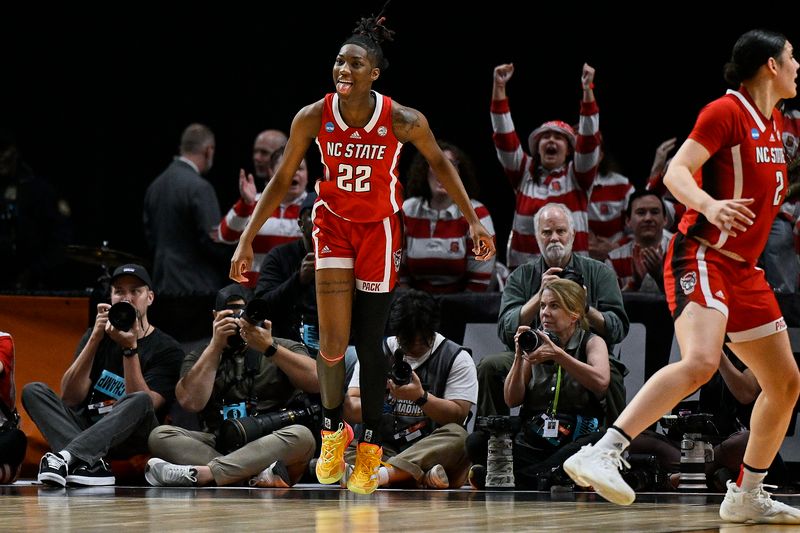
(688, 281)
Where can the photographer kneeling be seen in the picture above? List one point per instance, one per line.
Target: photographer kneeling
(560, 389)
(232, 380)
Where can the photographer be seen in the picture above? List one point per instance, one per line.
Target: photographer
(12, 441)
(230, 380)
(522, 298)
(117, 389)
(422, 428)
(559, 381)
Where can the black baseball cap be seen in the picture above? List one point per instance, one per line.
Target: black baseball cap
(131, 269)
(229, 293)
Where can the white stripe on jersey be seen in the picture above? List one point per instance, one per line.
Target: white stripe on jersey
(702, 267)
(749, 108)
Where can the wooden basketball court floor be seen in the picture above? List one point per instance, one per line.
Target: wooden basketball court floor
(27, 506)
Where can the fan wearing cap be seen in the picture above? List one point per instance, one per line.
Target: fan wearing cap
(561, 167)
(117, 389)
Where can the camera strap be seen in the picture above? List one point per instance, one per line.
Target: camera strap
(554, 404)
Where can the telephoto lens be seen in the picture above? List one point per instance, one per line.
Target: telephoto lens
(122, 315)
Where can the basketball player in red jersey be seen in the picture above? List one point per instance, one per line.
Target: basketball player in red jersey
(357, 236)
(713, 286)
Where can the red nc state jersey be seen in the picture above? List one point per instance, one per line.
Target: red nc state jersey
(747, 161)
(361, 180)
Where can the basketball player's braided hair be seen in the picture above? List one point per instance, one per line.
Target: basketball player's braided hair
(369, 33)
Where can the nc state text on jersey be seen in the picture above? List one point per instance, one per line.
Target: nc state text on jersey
(356, 151)
(765, 154)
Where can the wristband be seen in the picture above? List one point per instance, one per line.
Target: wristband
(129, 352)
(271, 349)
(422, 400)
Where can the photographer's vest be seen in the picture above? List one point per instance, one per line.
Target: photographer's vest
(406, 423)
(574, 398)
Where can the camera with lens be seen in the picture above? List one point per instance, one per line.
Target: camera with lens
(682, 423)
(400, 371)
(645, 473)
(236, 432)
(122, 315)
(529, 341)
(572, 275)
(255, 312)
(498, 423)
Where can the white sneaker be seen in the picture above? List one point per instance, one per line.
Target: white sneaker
(599, 468)
(436, 478)
(275, 476)
(756, 506)
(160, 473)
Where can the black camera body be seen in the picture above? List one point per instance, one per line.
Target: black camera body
(236, 432)
(683, 423)
(122, 315)
(572, 275)
(645, 473)
(529, 341)
(400, 371)
(255, 312)
(498, 423)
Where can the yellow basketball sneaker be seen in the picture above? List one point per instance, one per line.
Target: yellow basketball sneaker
(330, 465)
(364, 479)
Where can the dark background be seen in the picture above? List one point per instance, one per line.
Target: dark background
(98, 100)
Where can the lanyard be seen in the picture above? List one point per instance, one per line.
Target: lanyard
(558, 391)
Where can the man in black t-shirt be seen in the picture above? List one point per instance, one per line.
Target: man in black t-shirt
(116, 391)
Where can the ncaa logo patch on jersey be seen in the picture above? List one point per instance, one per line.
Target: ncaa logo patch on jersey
(755, 134)
(329, 127)
(688, 281)
(382, 131)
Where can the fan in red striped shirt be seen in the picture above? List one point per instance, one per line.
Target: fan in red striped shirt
(280, 228)
(608, 200)
(438, 255)
(561, 167)
(639, 264)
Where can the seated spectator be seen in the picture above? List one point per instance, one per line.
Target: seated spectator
(561, 166)
(521, 300)
(234, 379)
(560, 387)
(280, 228)
(639, 264)
(118, 388)
(438, 256)
(286, 283)
(13, 442)
(423, 430)
(608, 200)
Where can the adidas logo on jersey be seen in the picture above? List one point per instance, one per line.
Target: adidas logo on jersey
(355, 135)
(719, 295)
(772, 137)
(325, 250)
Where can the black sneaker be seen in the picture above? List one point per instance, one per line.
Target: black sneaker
(477, 477)
(95, 475)
(53, 470)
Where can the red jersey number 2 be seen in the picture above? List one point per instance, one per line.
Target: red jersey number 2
(778, 187)
(354, 178)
